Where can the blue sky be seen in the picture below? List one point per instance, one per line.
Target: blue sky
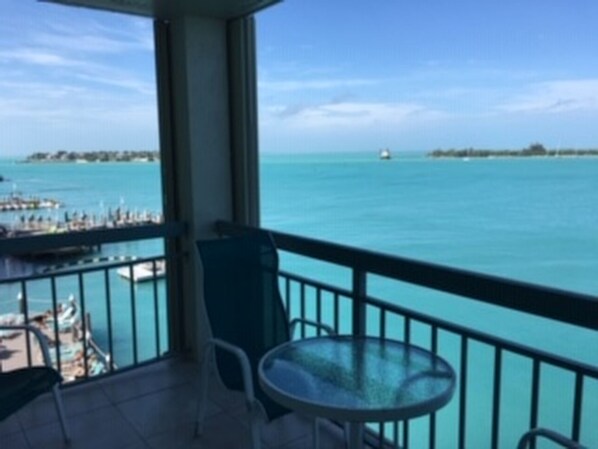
(333, 76)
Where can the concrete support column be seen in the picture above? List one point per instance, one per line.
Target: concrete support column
(208, 128)
(244, 121)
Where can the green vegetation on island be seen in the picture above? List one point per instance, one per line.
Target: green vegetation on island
(534, 150)
(95, 156)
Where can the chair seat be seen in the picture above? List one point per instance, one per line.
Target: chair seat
(21, 386)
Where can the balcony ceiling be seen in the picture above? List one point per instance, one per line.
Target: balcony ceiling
(167, 9)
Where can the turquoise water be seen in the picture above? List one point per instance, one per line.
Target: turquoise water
(534, 220)
(92, 189)
(530, 219)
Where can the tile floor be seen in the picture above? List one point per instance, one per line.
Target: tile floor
(153, 407)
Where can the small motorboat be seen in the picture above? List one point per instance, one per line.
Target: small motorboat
(144, 271)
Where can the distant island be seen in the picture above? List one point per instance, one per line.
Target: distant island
(94, 156)
(534, 150)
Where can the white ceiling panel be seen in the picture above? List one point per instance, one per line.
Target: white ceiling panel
(166, 9)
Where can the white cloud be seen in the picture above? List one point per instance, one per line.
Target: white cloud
(68, 105)
(352, 115)
(321, 84)
(121, 79)
(36, 56)
(86, 70)
(94, 37)
(556, 97)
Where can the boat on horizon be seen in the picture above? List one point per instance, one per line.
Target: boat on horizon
(384, 154)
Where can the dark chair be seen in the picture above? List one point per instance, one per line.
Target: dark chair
(247, 318)
(551, 435)
(21, 386)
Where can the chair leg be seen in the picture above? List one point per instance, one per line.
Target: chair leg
(532, 434)
(346, 431)
(203, 396)
(61, 414)
(316, 433)
(255, 424)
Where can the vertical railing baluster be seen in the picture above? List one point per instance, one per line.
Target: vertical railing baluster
(84, 324)
(359, 307)
(434, 349)
(109, 318)
(336, 312)
(302, 308)
(57, 344)
(463, 392)
(133, 316)
(535, 399)
(319, 309)
(496, 396)
(156, 311)
(287, 290)
(24, 309)
(407, 340)
(577, 407)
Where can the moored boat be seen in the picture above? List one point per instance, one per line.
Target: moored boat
(72, 348)
(16, 202)
(144, 271)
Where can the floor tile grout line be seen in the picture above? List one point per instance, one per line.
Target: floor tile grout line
(131, 425)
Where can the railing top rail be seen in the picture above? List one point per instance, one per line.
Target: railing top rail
(561, 305)
(44, 242)
(484, 337)
(82, 267)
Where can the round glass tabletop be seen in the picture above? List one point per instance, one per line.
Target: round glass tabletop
(357, 379)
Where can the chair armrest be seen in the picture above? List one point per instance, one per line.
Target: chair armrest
(43, 344)
(549, 434)
(243, 361)
(295, 321)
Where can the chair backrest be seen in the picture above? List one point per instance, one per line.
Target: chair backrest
(242, 298)
(21, 386)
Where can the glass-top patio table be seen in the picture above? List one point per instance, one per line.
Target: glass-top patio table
(356, 380)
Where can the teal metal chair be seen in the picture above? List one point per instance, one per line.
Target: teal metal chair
(21, 386)
(247, 318)
(551, 435)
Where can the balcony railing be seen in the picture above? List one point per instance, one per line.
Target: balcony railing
(96, 314)
(506, 386)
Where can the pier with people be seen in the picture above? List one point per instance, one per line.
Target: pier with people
(34, 224)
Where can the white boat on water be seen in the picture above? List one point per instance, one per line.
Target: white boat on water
(385, 154)
(144, 271)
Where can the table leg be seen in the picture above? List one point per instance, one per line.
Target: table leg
(355, 435)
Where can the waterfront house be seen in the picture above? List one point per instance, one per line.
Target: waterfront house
(206, 65)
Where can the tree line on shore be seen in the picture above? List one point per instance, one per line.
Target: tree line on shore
(94, 156)
(535, 149)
